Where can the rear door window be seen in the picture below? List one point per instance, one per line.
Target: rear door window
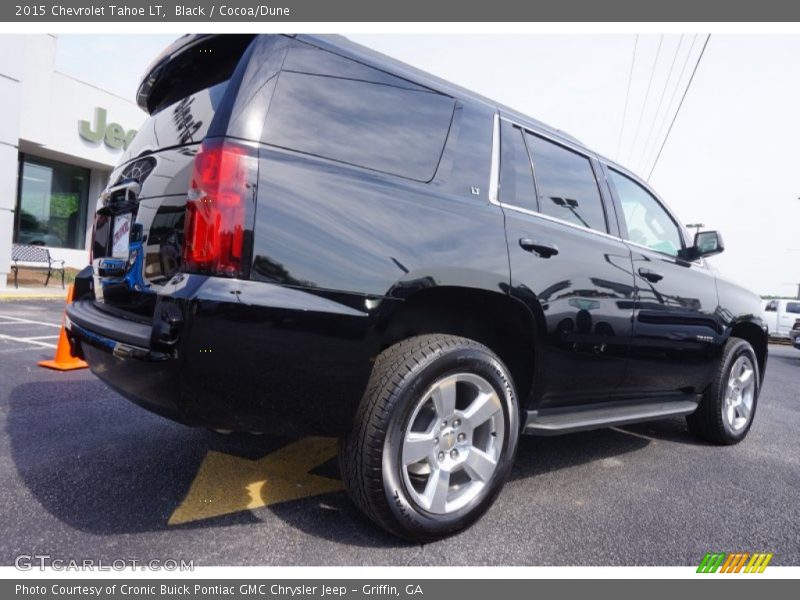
(516, 173)
(793, 307)
(362, 117)
(566, 184)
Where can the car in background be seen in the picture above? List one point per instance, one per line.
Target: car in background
(794, 334)
(780, 314)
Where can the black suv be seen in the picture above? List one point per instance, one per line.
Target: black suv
(308, 236)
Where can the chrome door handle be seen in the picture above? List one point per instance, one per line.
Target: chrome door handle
(650, 276)
(541, 249)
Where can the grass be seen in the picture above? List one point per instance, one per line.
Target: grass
(35, 278)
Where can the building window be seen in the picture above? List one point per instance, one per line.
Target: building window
(51, 204)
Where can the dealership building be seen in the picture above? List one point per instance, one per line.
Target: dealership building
(59, 140)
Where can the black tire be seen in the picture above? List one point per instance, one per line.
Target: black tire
(370, 456)
(708, 421)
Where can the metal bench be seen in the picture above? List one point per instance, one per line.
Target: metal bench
(35, 257)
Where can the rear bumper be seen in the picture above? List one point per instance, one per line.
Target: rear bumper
(118, 352)
(123, 338)
(233, 354)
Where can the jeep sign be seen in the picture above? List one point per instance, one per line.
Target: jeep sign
(113, 134)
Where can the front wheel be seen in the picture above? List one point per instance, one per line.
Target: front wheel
(434, 437)
(726, 411)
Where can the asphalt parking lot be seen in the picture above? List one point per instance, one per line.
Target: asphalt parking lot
(86, 474)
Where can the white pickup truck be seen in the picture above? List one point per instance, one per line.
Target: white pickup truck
(780, 315)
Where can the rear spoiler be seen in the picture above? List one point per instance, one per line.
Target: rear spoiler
(156, 68)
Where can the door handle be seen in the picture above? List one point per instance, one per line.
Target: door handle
(542, 249)
(650, 276)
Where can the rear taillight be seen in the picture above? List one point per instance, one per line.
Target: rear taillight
(220, 209)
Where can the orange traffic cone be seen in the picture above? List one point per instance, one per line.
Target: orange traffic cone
(64, 361)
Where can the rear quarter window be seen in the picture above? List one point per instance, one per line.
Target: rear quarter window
(793, 307)
(365, 118)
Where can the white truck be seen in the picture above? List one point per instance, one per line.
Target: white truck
(780, 315)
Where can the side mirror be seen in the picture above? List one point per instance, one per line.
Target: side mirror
(707, 243)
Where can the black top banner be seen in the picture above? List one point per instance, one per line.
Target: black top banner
(213, 11)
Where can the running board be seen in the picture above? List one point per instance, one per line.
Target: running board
(596, 416)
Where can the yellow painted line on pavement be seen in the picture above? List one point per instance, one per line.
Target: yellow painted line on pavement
(227, 484)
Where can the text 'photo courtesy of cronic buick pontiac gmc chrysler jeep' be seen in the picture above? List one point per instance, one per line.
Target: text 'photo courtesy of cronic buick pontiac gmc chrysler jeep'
(307, 236)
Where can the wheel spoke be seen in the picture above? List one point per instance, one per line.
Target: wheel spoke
(482, 409)
(479, 465)
(731, 413)
(436, 490)
(417, 446)
(743, 410)
(745, 377)
(444, 399)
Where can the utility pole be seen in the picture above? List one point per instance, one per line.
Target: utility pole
(696, 226)
(798, 285)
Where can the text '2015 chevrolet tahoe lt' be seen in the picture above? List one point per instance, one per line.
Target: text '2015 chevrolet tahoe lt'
(309, 236)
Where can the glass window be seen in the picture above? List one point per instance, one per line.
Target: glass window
(303, 58)
(373, 125)
(566, 184)
(52, 204)
(516, 174)
(793, 307)
(771, 306)
(648, 223)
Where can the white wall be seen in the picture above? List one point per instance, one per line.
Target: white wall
(10, 73)
(40, 109)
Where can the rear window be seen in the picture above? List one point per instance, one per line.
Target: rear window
(201, 65)
(361, 116)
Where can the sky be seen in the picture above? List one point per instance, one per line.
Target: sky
(731, 160)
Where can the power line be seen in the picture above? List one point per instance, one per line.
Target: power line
(646, 96)
(678, 110)
(674, 92)
(627, 95)
(661, 100)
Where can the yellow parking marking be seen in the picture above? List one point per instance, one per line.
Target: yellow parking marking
(228, 484)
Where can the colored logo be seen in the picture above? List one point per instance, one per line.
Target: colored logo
(734, 562)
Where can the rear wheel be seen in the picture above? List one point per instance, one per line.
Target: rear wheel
(726, 412)
(434, 437)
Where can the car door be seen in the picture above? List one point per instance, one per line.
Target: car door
(565, 261)
(787, 316)
(770, 316)
(677, 328)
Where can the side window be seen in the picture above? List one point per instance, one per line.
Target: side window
(566, 184)
(516, 174)
(383, 124)
(793, 307)
(647, 222)
(771, 306)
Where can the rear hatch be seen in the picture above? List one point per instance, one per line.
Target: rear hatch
(137, 242)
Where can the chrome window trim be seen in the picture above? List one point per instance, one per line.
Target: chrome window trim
(494, 170)
(551, 138)
(533, 213)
